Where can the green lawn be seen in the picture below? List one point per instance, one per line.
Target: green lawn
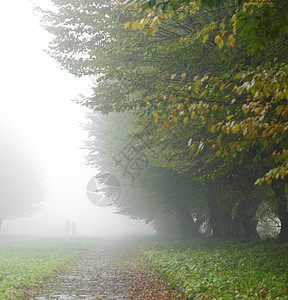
(203, 269)
(26, 265)
(222, 270)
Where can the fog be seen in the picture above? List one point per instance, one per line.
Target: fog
(41, 126)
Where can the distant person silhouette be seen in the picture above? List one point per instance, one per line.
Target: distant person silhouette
(67, 227)
(73, 227)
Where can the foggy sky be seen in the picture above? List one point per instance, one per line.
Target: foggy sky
(36, 111)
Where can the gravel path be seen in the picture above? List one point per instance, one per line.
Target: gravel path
(109, 270)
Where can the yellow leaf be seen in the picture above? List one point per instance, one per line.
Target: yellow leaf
(156, 120)
(218, 152)
(246, 111)
(197, 152)
(164, 116)
(217, 40)
(167, 125)
(224, 32)
(205, 38)
(186, 120)
(213, 128)
(175, 120)
(216, 82)
(264, 134)
(181, 16)
(231, 40)
(236, 128)
(155, 113)
(197, 86)
(221, 43)
(229, 117)
(134, 25)
(221, 87)
(225, 152)
(192, 146)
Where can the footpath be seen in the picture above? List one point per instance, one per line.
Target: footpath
(108, 270)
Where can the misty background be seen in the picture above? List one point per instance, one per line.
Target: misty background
(42, 137)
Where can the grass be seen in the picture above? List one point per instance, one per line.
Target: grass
(201, 269)
(209, 270)
(25, 266)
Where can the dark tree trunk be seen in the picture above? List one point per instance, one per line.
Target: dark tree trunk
(278, 187)
(220, 219)
(244, 225)
(165, 225)
(186, 223)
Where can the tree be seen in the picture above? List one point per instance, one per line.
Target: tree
(213, 78)
(240, 115)
(22, 182)
(156, 192)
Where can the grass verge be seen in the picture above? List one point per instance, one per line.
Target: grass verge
(25, 266)
(208, 270)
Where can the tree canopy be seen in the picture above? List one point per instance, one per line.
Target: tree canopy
(206, 81)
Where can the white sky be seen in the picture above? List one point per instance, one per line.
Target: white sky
(36, 102)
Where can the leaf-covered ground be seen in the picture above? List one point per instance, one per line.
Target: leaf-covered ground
(80, 268)
(222, 270)
(108, 270)
(100, 269)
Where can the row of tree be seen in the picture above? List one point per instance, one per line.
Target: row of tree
(196, 97)
(22, 180)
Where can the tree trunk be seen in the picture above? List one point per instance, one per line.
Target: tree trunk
(220, 219)
(244, 225)
(278, 187)
(186, 223)
(165, 225)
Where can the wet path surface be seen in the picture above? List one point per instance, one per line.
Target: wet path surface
(108, 270)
